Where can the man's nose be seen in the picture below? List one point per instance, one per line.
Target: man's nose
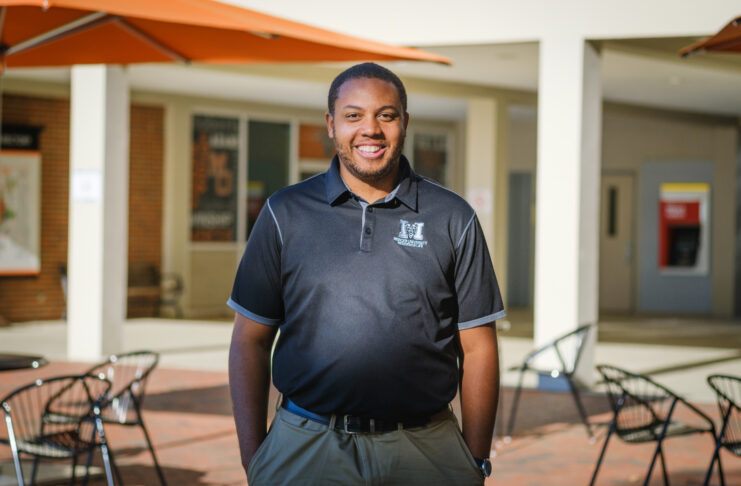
(371, 126)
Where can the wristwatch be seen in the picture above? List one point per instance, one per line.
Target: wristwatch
(484, 465)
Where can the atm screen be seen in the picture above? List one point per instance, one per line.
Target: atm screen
(684, 245)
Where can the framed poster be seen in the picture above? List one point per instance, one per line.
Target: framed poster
(215, 168)
(20, 212)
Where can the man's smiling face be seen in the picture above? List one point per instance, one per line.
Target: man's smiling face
(368, 127)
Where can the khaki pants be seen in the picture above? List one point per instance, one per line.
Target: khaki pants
(298, 451)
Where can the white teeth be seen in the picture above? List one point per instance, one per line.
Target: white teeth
(369, 149)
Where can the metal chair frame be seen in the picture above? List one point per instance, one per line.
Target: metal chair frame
(59, 427)
(128, 373)
(729, 406)
(645, 415)
(567, 368)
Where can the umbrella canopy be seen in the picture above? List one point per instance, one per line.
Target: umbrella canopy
(727, 40)
(66, 32)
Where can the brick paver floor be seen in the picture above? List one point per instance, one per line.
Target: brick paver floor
(188, 414)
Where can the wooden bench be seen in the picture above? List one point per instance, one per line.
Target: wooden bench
(149, 291)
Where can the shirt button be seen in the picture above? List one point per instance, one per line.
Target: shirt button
(370, 210)
(368, 230)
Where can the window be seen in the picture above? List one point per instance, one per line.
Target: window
(430, 153)
(268, 156)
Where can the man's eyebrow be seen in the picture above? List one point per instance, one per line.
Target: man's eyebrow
(385, 107)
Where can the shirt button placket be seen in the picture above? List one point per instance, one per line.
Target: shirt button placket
(369, 229)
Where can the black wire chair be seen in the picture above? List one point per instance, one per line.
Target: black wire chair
(566, 351)
(728, 392)
(57, 418)
(128, 374)
(643, 411)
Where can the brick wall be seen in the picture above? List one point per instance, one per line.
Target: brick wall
(145, 195)
(41, 297)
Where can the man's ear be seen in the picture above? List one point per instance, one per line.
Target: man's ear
(330, 124)
(406, 120)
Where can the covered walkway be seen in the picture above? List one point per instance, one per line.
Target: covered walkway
(188, 409)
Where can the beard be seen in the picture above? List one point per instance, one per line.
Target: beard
(369, 175)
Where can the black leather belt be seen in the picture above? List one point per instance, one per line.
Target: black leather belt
(357, 424)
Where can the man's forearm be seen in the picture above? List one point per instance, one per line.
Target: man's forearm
(249, 383)
(480, 388)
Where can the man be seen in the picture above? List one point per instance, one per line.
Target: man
(381, 285)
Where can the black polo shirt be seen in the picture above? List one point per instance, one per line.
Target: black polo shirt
(368, 297)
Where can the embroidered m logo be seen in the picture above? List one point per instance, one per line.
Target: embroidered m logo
(411, 231)
(410, 234)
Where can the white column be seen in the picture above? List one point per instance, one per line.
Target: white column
(98, 211)
(176, 195)
(485, 175)
(567, 197)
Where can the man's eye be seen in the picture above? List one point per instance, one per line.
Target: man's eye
(387, 116)
(352, 116)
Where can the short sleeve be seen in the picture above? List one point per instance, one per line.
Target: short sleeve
(479, 300)
(257, 292)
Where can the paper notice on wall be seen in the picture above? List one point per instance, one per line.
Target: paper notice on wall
(87, 185)
(481, 200)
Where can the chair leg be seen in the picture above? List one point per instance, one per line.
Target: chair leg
(602, 452)
(14, 450)
(116, 471)
(151, 448)
(720, 472)
(88, 462)
(34, 470)
(657, 453)
(74, 470)
(104, 451)
(580, 406)
(515, 402)
(663, 467)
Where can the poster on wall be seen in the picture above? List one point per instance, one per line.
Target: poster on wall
(20, 213)
(215, 166)
(684, 232)
(314, 142)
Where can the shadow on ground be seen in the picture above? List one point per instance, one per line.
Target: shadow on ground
(214, 400)
(539, 408)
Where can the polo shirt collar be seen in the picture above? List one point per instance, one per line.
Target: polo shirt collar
(405, 191)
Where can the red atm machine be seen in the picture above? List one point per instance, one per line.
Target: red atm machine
(683, 227)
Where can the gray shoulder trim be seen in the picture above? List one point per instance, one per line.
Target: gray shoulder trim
(468, 225)
(434, 183)
(482, 320)
(251, 315)
(280, 233)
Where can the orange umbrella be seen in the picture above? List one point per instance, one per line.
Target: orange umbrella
(727, 40)
(66, 32)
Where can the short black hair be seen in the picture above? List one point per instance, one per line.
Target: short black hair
(369, 70)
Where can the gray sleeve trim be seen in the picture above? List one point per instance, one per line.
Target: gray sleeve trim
(251, 315)
(468, 225)
(280, 233)
(481, 320)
